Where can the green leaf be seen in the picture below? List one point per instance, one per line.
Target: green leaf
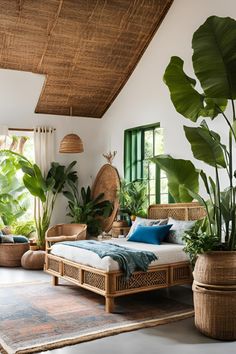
(214, 60)
(213, 107)
(34, 188)
(182, 176)
(205, 181)
(69, 196)
(186, 99)
(234, 129)
(205, 147)
(197, 197)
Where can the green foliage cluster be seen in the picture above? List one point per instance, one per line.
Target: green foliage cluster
(25, 228)
(45, 188)
(83, 208)
(133, 197)
(14, 198)
(214, 64)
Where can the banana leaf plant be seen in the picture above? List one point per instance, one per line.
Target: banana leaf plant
(214, 65)
(83, 208)
(45, 188)
(14, 199)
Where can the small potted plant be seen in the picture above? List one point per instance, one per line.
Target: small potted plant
(132, 199)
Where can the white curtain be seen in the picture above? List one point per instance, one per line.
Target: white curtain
(44, 149)
(3, 130)
(3, 136)
(44, 146)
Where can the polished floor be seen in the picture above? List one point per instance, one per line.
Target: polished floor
(178, 338)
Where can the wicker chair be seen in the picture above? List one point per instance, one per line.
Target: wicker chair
(66, 232)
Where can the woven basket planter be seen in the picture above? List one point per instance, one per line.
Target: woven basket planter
(214, 291)
(11, 253)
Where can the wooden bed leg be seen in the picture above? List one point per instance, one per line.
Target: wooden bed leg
(110, 304)
(54, 280)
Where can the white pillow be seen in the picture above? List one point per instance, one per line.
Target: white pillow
(145, 222)
(178, 229)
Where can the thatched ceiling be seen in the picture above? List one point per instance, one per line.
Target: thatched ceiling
(86, 48)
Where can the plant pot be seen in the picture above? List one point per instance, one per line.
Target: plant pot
(11, 253)
(214, 290)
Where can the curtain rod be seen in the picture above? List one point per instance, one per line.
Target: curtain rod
(23, 129)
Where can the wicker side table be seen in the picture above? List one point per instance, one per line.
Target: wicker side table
(120, 230)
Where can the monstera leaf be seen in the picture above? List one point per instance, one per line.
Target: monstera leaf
(214, 48)
(182, 176)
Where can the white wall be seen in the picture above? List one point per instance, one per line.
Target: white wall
(145, 98)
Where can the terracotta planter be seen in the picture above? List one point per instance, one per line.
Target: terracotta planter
(214, 291)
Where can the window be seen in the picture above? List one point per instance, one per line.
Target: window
(140, 145)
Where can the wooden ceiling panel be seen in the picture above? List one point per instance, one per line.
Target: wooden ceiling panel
(86, 49)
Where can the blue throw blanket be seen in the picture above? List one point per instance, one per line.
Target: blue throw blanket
(128, 259)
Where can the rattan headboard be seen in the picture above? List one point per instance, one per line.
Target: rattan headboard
(178, 211)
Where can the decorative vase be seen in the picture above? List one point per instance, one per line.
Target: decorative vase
(214, 290)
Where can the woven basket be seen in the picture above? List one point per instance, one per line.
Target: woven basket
(214, 290)
(11, 253)
(215, 312)
(216, 268)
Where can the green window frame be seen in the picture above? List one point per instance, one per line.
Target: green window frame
(136, 163)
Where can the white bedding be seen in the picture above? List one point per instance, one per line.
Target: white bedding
(166, 253)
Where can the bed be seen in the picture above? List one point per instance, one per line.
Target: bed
(105, 278)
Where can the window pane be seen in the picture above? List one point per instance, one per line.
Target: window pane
(163, 174)
(164, 185)
(148, 141)
(159, 141)
(152, 187)
(145, 169)
(152, 171)
(164, 199)
(152, 199)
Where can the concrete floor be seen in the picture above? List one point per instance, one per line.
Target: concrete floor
(178, 338)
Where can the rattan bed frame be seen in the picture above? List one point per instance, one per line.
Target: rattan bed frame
(113, 284)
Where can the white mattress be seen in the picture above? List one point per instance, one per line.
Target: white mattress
(166, 253)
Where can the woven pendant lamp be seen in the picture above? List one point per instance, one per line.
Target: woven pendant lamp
(71, 144)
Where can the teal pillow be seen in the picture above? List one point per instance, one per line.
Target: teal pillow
(150, 234)
(20, 239)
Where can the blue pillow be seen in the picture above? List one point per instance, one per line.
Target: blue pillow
(150, 234)
(20, 239)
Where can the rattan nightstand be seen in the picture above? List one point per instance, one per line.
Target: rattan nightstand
(120, 230)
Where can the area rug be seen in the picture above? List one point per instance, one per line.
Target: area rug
(37, 317)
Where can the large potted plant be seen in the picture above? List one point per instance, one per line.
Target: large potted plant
(212, 242)
(45, 188)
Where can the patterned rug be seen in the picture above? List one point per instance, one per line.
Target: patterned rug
(37, 317)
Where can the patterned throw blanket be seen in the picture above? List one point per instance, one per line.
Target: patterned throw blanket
(128, 259)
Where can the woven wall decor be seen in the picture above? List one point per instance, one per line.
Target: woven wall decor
(86, 49)
(107, 181)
